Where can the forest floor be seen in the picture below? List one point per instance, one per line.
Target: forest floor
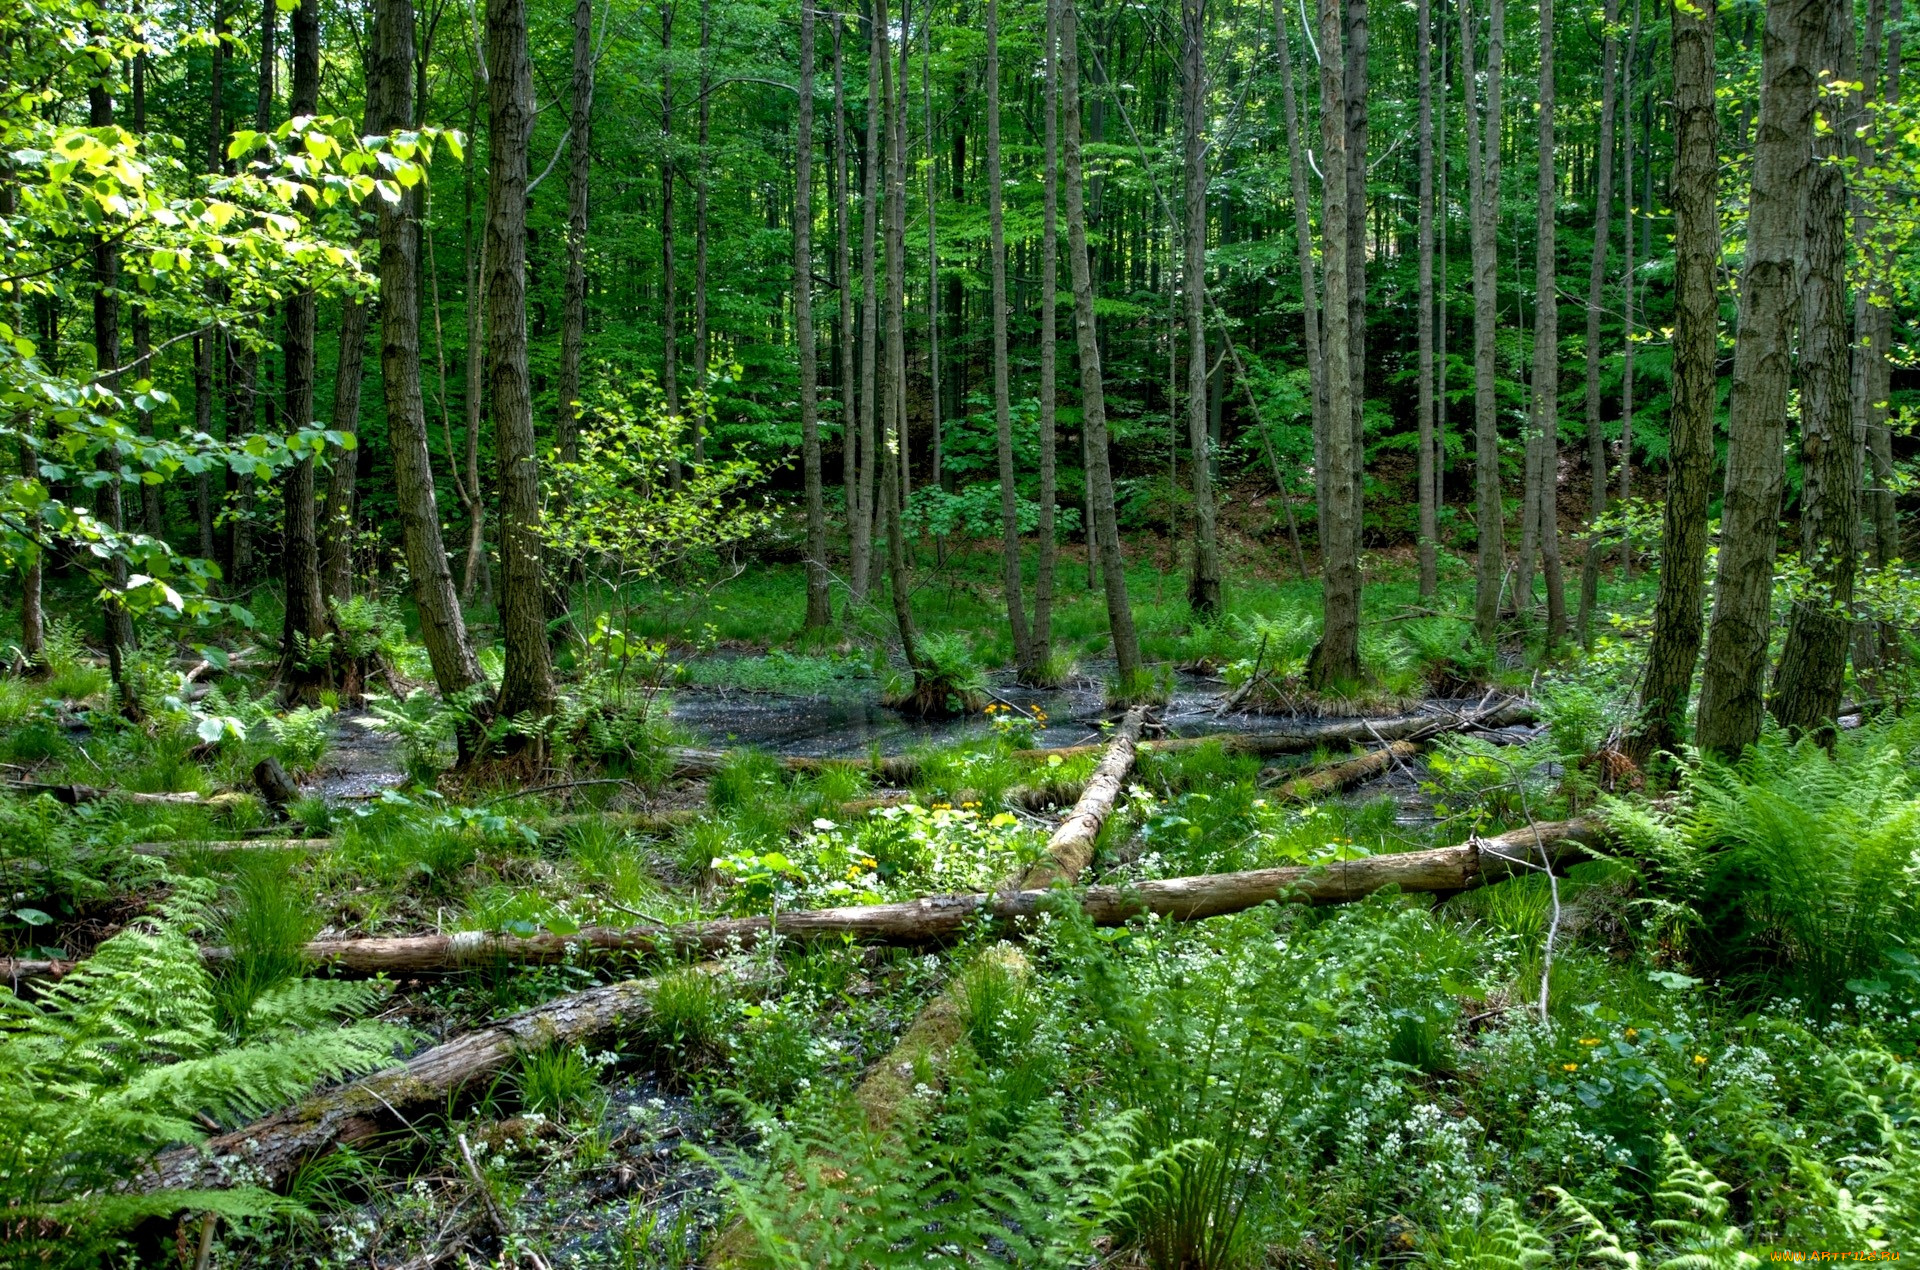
(1354, 1080)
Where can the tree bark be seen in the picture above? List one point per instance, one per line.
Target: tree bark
(573, 322)
(1043, 578)
(1309, 287)
(153, 505)
(1675, 645)
(272, 1148)
(1429, 532)
(1596, 298)
(340, 518)
(389, 109)
(1813, 661)
(1874, 303)
(1483, 181)
(1010, 571)
(892, 416)
(873, 447)
(1336, 658)
(843, 274)
(933, 239)
(1629, 291)
(937, 919)
(306, 619)
(669, 293)
(1070, 847)
(1203, 580)
(1354, 27)
(1093, 403)
(117, 623)
(1733, 685)
(1546, 354)
(526, 684)
(819, 613)
(702, 351)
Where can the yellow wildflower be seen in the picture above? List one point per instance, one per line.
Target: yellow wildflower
(1569, 1067)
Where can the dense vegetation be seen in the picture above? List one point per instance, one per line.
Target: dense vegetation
(581, 692)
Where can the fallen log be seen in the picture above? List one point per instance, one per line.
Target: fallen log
(268, 1150)
(18, 970)
(1070, 849)
(74, 795)
(935, 919)
(1335, 777)
(1331, 734)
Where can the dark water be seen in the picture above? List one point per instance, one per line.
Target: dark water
(853, 722)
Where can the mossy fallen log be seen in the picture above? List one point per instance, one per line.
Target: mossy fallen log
(268, 1150)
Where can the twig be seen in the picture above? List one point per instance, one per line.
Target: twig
(497, 1218)
(543, 789)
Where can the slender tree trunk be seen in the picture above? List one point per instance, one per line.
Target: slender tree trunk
(1483, 180)
(1093, 404)
(893, 416)
(340, 520)
(573, 322)
(1355, 30)
(669, 293)
(389, 109)
(306, 605)
(1695, 185)
(1428, 512)
(819, 602)
(526, 683)
(843, 273)
(702, 352)
(1336, 658)
(117, 623)
(1049, 348)
(207, 343)
(933, 242)
(1546, 351)
(1596, 298)
(1203, 582)
(1002, 393)
(1303, 244)
(1733, 685)
(269, 55)
(1874, 304)
(1813, 661)
(873, 449)
(153, 506)
(1629, 290)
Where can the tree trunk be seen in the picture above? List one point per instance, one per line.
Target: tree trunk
(893, 415)
(1813, 662)
(1874, 305)
(1309, 287)
(1355, 30)
(1546, 354)
(341, 520)
(1483, 181)
(1695, 185)
(1629, 290)
(1733, 685)
(117, 623)
(526, 682)
(702, 352)
(937, 919)
(819, 614)
(307, 619)
(669, 293)
(1042, 637)
(1093, 404)
(1596, 298)
(933, 239)
(873, 448)
(1429, 532)
(1203, 581)
(1010, 583)
(476, 577)
(573, 322)
(276, 1146)
(389, 109)
(153, 506)
(1336, 658)
(843, 274)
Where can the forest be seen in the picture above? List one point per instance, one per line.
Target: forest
(1177, 635)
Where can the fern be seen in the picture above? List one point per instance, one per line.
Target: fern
(124, 1058)
(1700, 1235)
(1502, 1239)
(1593, 1243)
(830, 1193)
